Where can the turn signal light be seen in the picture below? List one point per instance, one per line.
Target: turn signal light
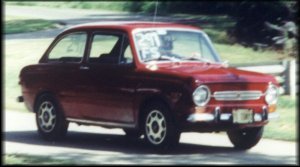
(272, 108)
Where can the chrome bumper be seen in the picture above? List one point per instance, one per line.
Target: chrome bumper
(217, 116)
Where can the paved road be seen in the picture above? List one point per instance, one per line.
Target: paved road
(95, 145)
(55, 13)
(69, 17)
(72, 16)
(64, 17)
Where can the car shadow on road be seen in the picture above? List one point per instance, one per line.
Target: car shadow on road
(109, 142)
(120, 149)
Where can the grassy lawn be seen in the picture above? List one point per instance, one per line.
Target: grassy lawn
(110, 5)
(15, 24)
(285, 127)
(237, 54)
(29, 52)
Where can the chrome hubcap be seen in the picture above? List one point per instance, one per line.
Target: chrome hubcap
(46, 116)
(156, 127)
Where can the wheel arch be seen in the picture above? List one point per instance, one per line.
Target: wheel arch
(148, 101)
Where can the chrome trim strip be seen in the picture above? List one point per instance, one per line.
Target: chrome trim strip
(237, 95)
(101, 123)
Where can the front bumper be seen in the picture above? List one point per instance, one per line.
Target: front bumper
(218, 116)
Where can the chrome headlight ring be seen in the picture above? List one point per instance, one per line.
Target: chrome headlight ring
(201, 95)
(271, 94)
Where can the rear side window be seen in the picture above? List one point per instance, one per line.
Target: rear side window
(110, 48)
(105, 48)
(103, 44)
(70, 48)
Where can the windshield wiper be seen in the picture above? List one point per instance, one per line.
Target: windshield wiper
(196, 59)
(163, 57)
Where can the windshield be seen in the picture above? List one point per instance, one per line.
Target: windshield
(162, 44)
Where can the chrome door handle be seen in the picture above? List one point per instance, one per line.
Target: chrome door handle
(84, 67)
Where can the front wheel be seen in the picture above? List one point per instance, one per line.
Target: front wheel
(159, 127)
(245, 138)
(50, 120)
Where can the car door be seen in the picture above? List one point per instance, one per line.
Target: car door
(109, 87)
(63, 64)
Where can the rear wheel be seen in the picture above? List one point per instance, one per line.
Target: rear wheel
(245, 138)
(50, 120)
(159, 127)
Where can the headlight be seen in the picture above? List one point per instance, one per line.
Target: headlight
(201, 95)
(271, 94)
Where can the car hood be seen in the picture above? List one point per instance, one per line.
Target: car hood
(208, 72)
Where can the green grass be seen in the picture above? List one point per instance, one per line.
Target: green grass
(28, 51)
(115, 6)
(285, 127)
(215, 26)
(24, 159)
(237, 54)
(15, 24)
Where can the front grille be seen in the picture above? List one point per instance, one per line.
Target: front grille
(237, 95)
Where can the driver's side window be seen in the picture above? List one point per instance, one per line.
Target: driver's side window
(69, 49)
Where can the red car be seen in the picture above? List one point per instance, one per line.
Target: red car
(151, 79)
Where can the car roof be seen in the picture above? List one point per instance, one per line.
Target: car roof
(130, 25)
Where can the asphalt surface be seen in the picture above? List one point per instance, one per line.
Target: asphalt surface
(69, 17)
(96, 145)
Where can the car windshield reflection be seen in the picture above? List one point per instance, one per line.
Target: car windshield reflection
(162, 44)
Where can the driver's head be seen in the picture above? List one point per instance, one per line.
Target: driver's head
(166, 42)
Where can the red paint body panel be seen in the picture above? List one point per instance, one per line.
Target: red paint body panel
(115, 93)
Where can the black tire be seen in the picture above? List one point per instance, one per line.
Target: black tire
(166, 129)
(244, 139)
(132, 133)
(50, 119)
